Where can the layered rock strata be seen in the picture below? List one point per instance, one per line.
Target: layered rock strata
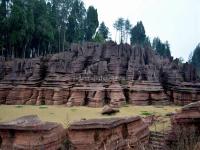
(185, 93)
(30, 133)
(147, 93)
(185, 132)
(92, 95)
(115, 133)
(189, 115)
(96, 74)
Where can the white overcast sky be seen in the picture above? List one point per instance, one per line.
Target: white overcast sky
(177, 21)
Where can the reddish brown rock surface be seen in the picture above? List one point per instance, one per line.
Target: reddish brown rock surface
(30, 133)
(96, 74)
(115, 133)
(108, 110)
(185, 132)
(146, 93)
(189, 115)
(185, 93)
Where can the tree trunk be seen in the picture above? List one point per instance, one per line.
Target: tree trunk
(24, 51)
(58, 41)
(63, 48)
(13, 52)
(47, 52)
(39, 49)
(31, 53)
(116, 36)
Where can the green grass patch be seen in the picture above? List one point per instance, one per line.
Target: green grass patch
(64, 115)
(43, 107)
(73, 109)
(19, 106)
(146, 113)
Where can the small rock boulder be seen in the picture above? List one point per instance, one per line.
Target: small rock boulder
(108, 110)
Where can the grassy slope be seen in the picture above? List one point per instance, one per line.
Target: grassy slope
(65, 115)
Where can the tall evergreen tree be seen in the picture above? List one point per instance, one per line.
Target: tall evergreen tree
(43, 34)
(4, 27)
(119, 25)
(161, 48)
(18, 27)
(78, 13)
(103, 31)
(71, 29)
(138, 35)
(38, 27)
(91, 23)
(127, 29)
(196, 58)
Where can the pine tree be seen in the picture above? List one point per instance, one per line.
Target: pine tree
(78, 13)
(103, 31)
(162, 49)
(196, 58)
(127, 29)
(91, 23)
(138, 35)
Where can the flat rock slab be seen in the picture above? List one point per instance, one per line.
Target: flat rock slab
(26, 123)
(29, 132)
(108, 133)
(105, 123)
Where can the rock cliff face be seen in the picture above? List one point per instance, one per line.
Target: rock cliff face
(94, 74)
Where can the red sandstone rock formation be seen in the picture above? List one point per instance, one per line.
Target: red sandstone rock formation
(30, 133)
(116, 94)
(188, 116)
(185, 132)
(146, 93)
(92, 74)
(115, 133)
(185, 93)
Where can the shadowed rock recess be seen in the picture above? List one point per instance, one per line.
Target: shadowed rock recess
(94, 74)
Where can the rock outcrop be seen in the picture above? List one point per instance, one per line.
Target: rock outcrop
(97, 74)
(147, 93)
(185, 93)
(110, 134)
(189, 115)
(30, 133)
(108, 110)
(185, 132)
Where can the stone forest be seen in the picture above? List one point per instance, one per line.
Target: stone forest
(65, 84)
(96, 75)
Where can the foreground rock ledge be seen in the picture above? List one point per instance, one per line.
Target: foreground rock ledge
(29, 132)
(110, 134)
(185, 130)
